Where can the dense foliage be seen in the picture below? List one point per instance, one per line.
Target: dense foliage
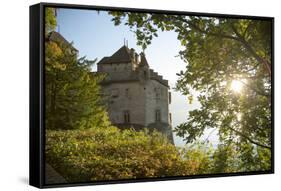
(111, 154)
(50, 20)
(73, 99)
(218, 53)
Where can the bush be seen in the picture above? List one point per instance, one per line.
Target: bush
(110, 153)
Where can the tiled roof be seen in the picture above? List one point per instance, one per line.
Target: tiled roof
(57, 37)
(120, 56)
(125, 55)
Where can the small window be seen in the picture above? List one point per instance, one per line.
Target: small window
(157, 115)
(126, 116)
(127, 93)
(115, 93)
(157, 93)
(170, 118)
(170, 98)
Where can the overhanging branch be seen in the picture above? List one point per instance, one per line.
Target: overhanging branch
(251, 50)
(249, 139)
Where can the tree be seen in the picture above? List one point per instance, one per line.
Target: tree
(73, 98)
(72, 91)
(218, 53)
(50, 20)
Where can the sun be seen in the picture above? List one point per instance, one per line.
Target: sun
(237, 86)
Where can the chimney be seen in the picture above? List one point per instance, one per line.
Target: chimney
(143, 61)
(132, 54)
(137, 58)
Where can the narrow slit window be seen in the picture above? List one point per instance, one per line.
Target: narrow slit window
(126, 117)
(127, 94)
(157, 115)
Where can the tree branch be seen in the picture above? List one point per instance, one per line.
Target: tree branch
(244, 33)
(251, 50)
(258, 91)
(239, 38)
(206, 32)
(249, 139)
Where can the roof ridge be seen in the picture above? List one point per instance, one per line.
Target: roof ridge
(121, 55)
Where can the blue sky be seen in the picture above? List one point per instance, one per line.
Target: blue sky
(95, 36)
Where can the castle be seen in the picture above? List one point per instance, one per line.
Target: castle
(138, 97)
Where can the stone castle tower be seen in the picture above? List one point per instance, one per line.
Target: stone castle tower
(138, 97)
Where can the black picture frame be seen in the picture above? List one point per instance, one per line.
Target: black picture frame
(37, 99)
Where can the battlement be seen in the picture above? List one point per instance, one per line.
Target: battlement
(157, 77)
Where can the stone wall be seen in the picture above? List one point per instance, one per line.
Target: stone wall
(136, 89)
(126, 97)
(141, 100)
(121, 71)
(156, 97)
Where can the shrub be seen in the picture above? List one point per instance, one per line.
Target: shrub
(110, 153)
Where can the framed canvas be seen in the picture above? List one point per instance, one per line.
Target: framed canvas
(122, 95)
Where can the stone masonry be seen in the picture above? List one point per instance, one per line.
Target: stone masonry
(137, 96)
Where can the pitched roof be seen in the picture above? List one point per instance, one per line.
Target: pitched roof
(121, 55)
(57, 37)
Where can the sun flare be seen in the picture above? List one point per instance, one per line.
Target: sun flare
(237, 86)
